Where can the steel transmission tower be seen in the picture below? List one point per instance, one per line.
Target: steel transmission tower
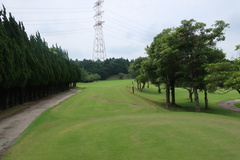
(99, 51)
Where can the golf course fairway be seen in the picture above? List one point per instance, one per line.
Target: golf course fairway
(106, 121)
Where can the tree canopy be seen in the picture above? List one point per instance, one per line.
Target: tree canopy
(224, 75)
(178, 56)
(106, 68)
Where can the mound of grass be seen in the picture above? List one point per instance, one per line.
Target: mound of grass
(237, 104)
(106, 121)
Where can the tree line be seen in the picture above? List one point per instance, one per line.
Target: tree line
(29, 69)
(94, 70)
(187, 56)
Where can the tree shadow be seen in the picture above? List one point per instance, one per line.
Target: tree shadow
(183, 105)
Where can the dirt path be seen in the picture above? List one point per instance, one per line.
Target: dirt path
(12, 127)
(229, 105)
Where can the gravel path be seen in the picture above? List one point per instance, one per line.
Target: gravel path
(229, 105)
(12, 127)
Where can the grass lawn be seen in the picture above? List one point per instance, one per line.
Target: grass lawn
(108, 122)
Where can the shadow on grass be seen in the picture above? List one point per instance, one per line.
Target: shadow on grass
(142, 95)
(183, 105)
(212, 109)
(147, 95)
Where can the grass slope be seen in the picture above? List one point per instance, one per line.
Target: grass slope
(106, 121)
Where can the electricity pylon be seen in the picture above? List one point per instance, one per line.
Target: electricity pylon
(99, 51)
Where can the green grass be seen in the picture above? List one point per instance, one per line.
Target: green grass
(106, 121)
(237, 104)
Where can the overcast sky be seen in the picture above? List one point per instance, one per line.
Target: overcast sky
(129, 25)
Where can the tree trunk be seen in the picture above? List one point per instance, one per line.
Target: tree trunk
(138, 85)
(143, 87)
(7, 99)
(132, 87)
(40, 92)
(167, 96)
(173, 94)
(74, 84)
(159, 89)
(12, 97)
(2, 99)
(21, 97)
(30, 93)
(196, 99)
(206, 98)
(190, 94)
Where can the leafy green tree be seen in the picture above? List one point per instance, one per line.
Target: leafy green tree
(180, 55)
(107, 68)
(197, 45)
(93, 77)
(137, 70)
(224, 75)
(165, 58)
(151, 74)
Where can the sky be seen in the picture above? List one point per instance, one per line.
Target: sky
(130, 25)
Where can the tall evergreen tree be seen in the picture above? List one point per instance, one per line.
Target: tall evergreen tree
(29, 69)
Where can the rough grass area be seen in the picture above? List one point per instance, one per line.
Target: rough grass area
(106, 121)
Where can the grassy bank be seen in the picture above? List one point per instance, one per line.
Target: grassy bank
(106, 121)
(237, 104)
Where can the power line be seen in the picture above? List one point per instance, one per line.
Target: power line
(116, 28)
(60, 33)
(127, 18)
(66, 31)
(22, 8)
(130, 26)
(56, 20)
(124, 40)
(132, 30)
(124, 34)
(47, 12)
(70, 22)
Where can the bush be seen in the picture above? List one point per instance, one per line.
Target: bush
(121, 75)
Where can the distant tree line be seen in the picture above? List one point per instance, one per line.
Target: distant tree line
(188, 57)
(29, 69)
(104, 69)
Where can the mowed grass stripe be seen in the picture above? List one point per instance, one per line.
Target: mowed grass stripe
(106, 121)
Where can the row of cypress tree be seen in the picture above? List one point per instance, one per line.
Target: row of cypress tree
(29, 69)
